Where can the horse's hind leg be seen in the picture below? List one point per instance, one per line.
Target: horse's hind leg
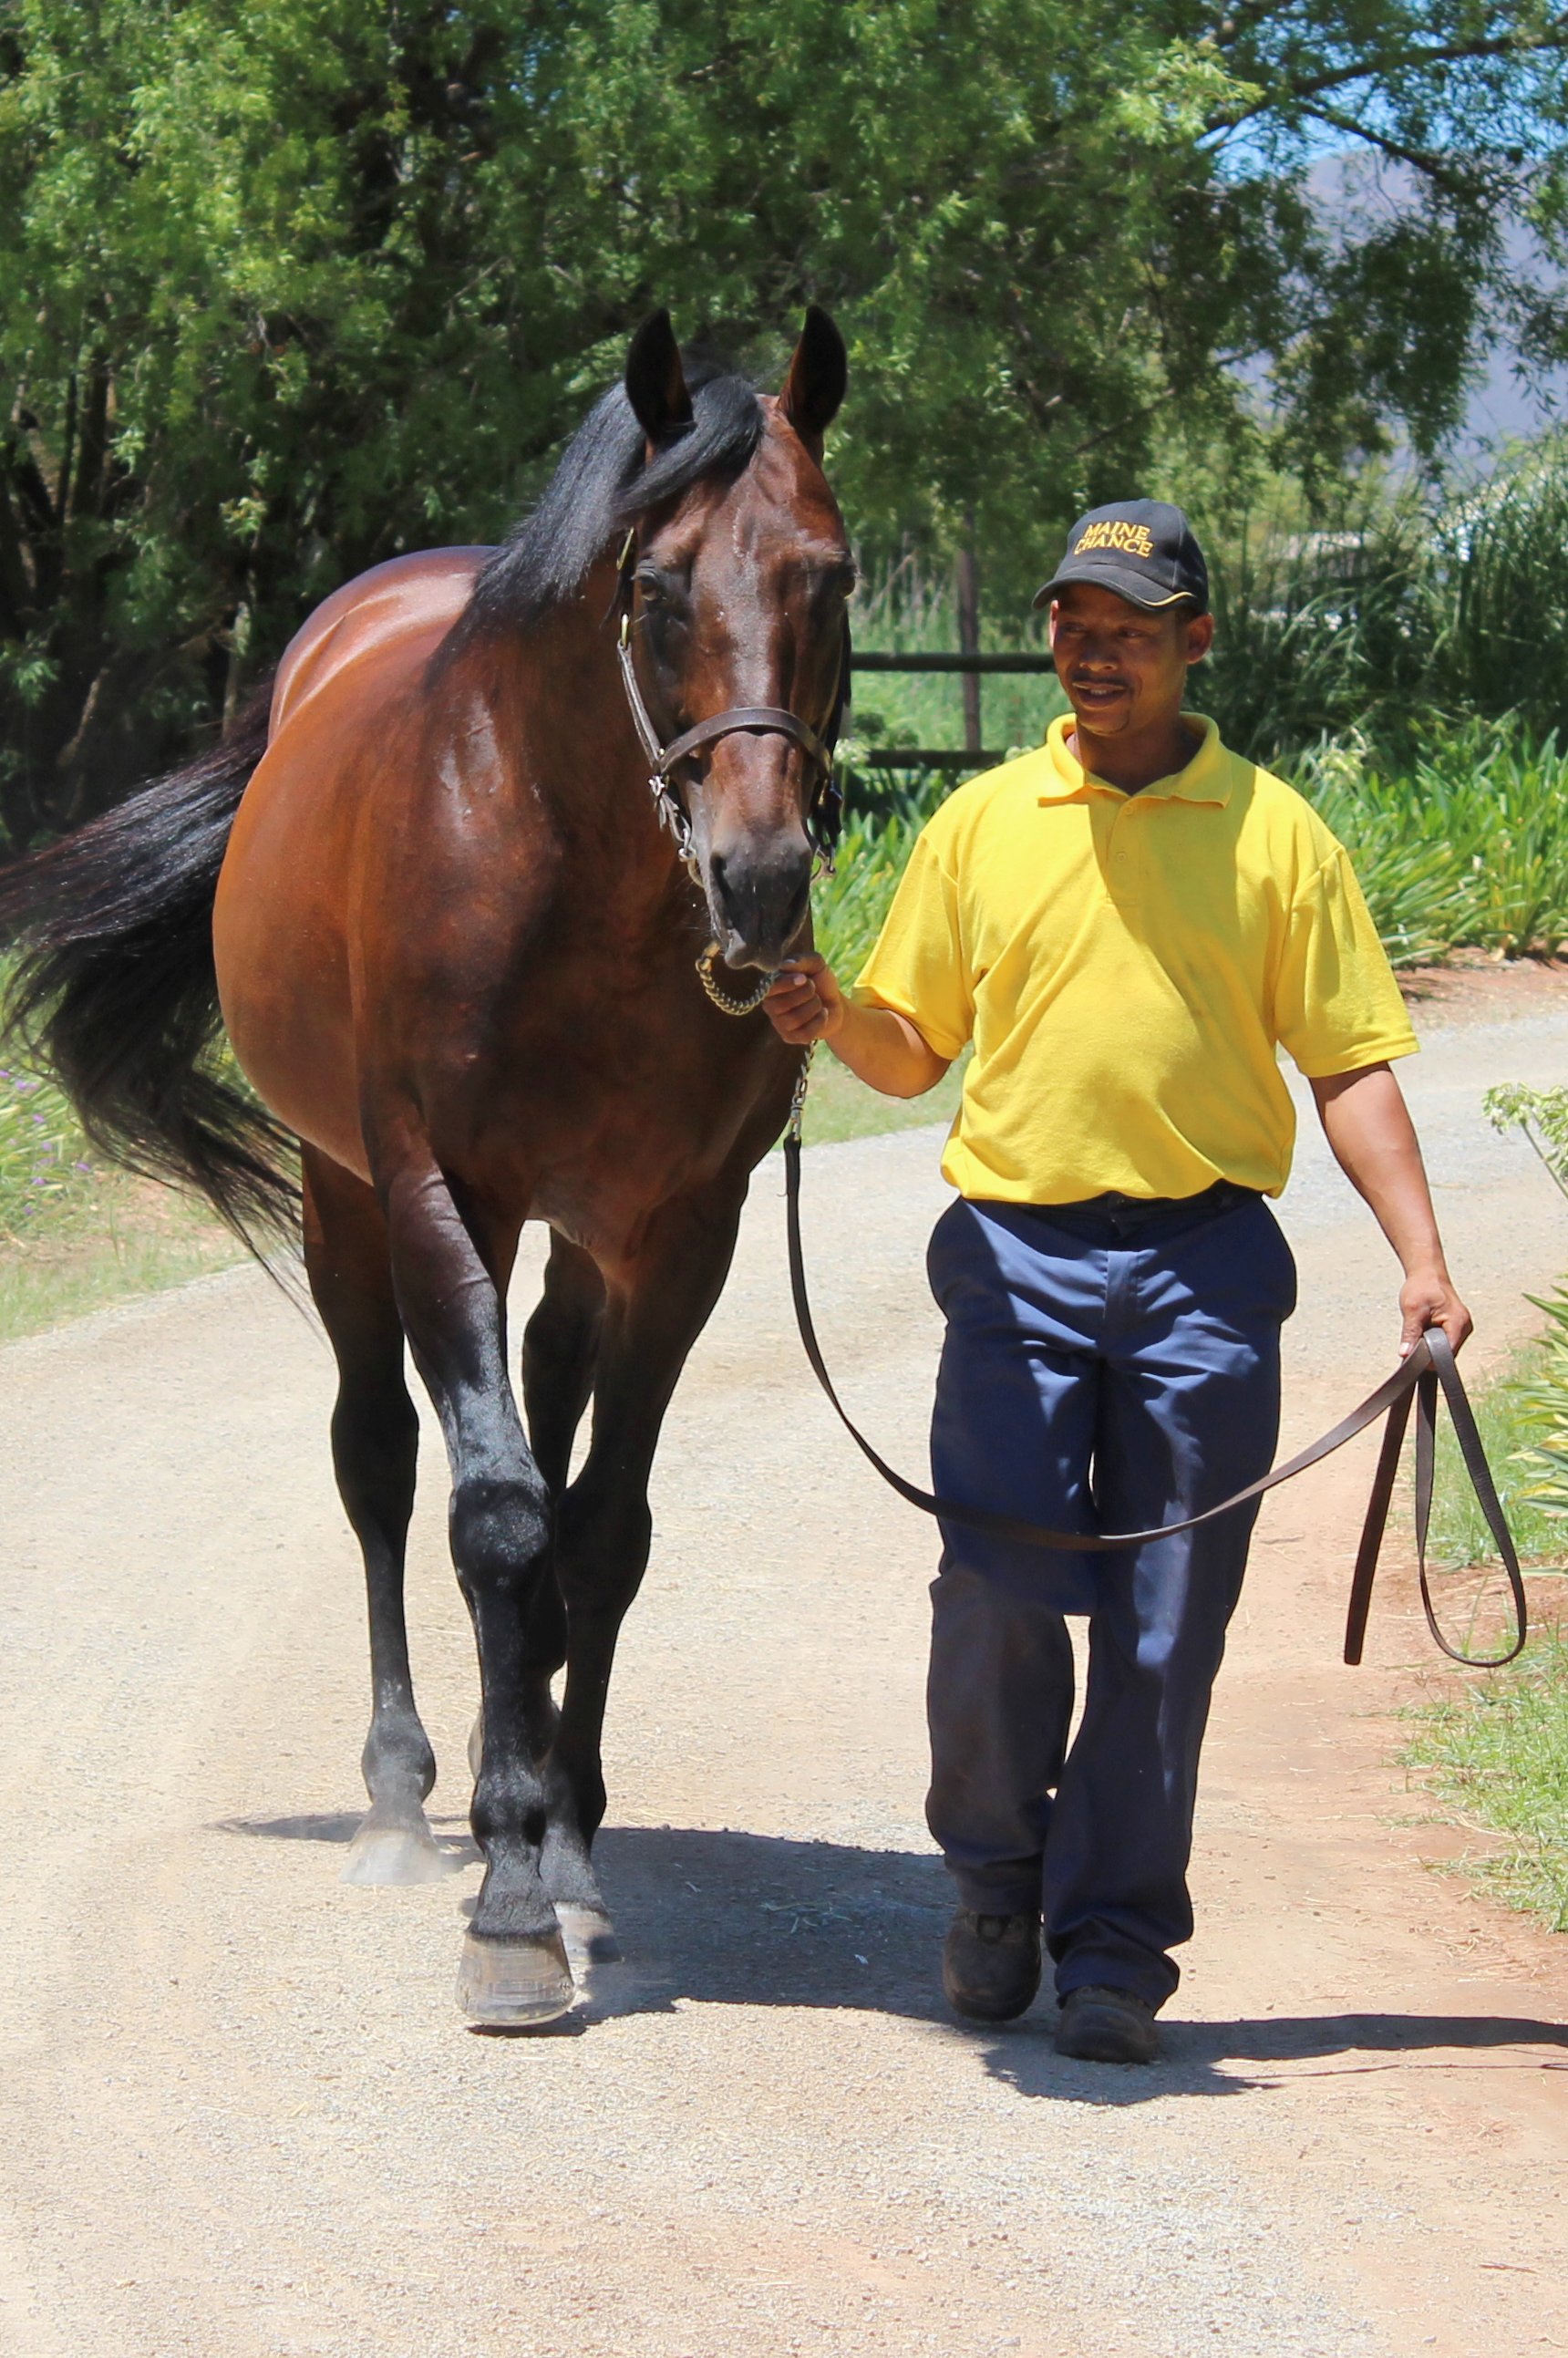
(603, 1528)
(375, 1436)
(559, 1348)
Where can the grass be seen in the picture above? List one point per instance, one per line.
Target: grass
(76, 1237)
(1495, 1754)
(1493, 1749)
(838, 1106)
(1509, 1417)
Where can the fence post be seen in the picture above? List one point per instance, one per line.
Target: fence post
(966, 583)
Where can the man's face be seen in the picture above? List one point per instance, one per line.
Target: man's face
(1123, 669)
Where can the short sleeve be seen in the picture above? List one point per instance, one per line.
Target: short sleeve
(918, 967)
(1336, 1004)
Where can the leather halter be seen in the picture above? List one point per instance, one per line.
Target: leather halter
(758, 720)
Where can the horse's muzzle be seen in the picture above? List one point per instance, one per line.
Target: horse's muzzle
(758, 896)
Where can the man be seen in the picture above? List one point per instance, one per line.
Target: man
(1124, 924)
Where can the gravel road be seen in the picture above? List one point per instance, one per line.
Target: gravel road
(241, 2117)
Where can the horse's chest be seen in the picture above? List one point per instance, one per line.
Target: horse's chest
(616, 1124)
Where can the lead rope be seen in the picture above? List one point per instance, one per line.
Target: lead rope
(1428, 1371)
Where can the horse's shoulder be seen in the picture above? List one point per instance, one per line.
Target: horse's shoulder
(417, 599)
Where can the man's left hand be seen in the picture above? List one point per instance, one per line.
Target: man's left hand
(1428, 1299)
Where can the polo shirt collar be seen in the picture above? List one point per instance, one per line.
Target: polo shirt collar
(1206, 779)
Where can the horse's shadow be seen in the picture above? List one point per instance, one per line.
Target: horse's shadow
(726, 1919)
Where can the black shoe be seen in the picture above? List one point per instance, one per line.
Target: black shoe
(990, 1964)
(1107, 2026)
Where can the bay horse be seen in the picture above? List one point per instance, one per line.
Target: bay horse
(453, 939)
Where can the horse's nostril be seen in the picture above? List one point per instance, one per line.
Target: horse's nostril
(761, 896)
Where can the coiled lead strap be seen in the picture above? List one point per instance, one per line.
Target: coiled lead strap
(1429, 1367)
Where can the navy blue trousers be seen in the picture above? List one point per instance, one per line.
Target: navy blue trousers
(1101, 1371)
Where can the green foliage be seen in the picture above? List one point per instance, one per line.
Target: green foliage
(288, 286)
(1510, 1413)
(44, 1159)
(1407, 872)
(1539, 1400)
(1465, 848)
(1543, 1409)
(76, 1235)
(1496, 1751)
(1413, 608)
(1541, 1117)
(838, 1106)
(848, 906)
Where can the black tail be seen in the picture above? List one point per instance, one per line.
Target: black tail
(114, 989)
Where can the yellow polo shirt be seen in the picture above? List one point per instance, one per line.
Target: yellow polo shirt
(1126, 965)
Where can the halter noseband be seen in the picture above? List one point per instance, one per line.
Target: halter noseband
(759, 719)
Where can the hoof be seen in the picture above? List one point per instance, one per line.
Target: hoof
(392, 1855)
(589, 1936)
(508, 1984)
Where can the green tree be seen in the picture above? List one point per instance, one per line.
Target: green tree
(290, 285)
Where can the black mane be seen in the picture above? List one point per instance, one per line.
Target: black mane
(602, 486)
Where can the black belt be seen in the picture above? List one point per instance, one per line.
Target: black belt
(1116, 1215)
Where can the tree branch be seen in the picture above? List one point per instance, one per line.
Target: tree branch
(1414, 61)
(1133, 418)
(1436, 167)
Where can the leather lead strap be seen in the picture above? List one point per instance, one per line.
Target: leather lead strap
(1429, 1364)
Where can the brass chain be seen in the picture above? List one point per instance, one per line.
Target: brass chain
(733, 1006)
(797, 1102)
(726, 999)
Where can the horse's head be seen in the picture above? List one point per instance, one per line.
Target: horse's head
(736, 602)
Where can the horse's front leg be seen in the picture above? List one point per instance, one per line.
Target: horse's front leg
(656, 1310)
(451, 1301)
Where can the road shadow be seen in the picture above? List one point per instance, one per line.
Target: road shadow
(730, 1918)
(340, 1826)
(1200, 2059)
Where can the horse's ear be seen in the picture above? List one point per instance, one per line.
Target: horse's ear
(819, 373)
(655, 381)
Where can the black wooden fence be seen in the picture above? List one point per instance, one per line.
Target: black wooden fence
(973, 756)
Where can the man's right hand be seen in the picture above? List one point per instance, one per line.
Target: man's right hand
(884, 1049)
(805, 1002)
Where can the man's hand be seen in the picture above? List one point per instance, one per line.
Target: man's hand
(885, 1050)
(805, 1002)
(1428, 1299)
(1368, 1126)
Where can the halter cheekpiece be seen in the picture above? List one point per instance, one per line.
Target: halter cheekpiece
(825, 806)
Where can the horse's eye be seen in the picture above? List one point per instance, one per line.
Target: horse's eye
(652, 588)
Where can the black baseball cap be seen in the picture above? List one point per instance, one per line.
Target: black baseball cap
(1145, 550)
